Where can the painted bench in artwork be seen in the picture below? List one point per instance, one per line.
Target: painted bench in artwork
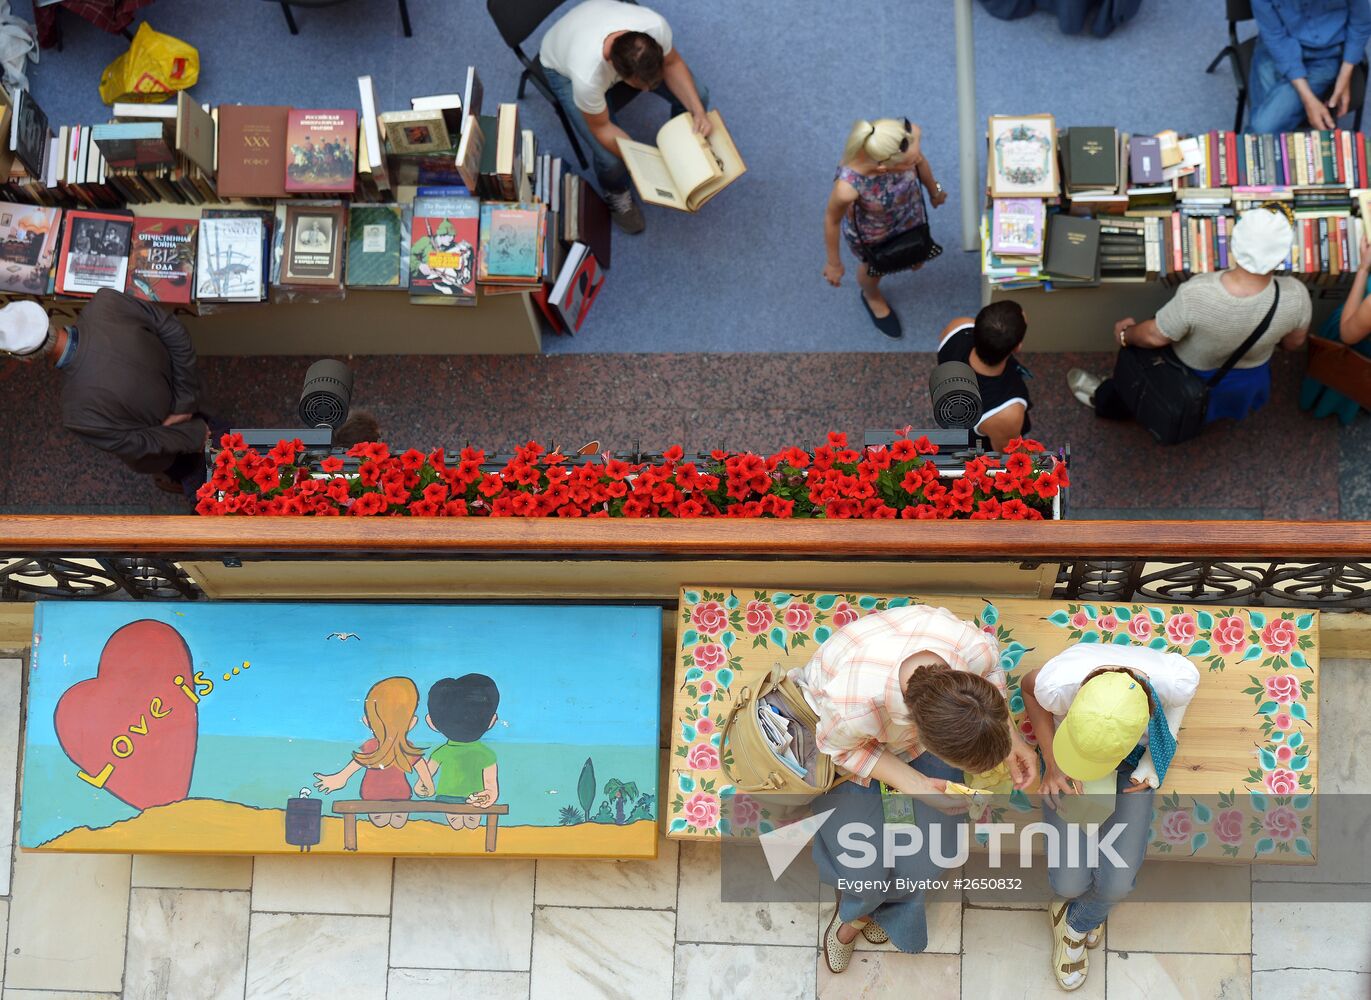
(1242, 784)
(242, 728)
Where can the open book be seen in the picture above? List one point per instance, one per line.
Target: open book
(683, 170)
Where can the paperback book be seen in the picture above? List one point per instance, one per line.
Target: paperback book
(162, 265)
(444, 234)
(95, 252)
(229, 264)
(511, 243)
(1016, 226)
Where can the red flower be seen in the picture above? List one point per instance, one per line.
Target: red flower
(338, 490)
(1059, 474)
(491, 485)
(331, 464)
(799, 616)
(673, 454)
(837, 440)
(615, 469)
(1046, 486)
(435, 493)
(232, 442)
(368, 504)
(412, 460)
(924, 446)
(903, 450)
(455, 508)
(424, 508)
(1014, 510)
(1019, 465)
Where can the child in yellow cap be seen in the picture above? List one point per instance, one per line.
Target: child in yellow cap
(1107, 719)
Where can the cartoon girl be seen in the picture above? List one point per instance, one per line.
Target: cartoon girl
(391, 712)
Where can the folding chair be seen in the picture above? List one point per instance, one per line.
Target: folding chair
(1239, 56)
(516, 20)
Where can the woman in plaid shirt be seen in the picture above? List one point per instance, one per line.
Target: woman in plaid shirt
(911, 697)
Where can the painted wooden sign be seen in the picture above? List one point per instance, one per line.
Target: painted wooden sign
(1240, 789)
(524, 730)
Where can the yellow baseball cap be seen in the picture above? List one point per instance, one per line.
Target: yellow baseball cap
(1107, 718)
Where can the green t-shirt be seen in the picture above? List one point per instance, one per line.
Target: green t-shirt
(460, 766)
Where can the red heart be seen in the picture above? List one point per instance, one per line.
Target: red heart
(137, 665)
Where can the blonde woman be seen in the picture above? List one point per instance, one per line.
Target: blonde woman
(877, 194)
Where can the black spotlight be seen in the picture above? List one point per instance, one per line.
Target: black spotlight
(955, 394)
(327, 394)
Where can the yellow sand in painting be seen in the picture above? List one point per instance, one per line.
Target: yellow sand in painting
(207, 826)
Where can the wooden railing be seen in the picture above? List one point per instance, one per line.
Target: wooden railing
(1283, 563)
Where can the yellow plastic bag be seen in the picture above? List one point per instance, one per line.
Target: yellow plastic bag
(154, 68)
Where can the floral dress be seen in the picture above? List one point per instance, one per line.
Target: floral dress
(886, 204)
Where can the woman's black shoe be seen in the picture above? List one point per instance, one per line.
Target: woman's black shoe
(888, 324)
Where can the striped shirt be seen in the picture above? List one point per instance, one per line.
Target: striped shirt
(853, 680)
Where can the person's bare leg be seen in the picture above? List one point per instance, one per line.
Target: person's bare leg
(379, 819)
(398, 820)
(872, 291)
(472, 822)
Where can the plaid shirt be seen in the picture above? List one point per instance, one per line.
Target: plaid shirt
(853, 680)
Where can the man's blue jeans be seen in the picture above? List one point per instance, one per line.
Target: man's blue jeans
(1093, 892)
(1273, 104)
(609, 169)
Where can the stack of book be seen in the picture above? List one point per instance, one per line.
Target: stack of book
(513, 246)
(1014, 251)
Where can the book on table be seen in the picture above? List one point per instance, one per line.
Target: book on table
(1145, 161)
(134, 145)
(371, 149)
(577, 286)
(469, 153)
(444, 234)
(252, 151)
(471, 95)
(321, 151)
(95, 252)
(1016, 226)
(508, 152)
(511, 247)
(685, 169)
(231, 257)
(1092, 158)
(416, 131)
(375, 246)
(162, 264)
(313, 245)
(29, 133)
(28, 246)
(448, 105)
(1023, 156)
(1073, 248)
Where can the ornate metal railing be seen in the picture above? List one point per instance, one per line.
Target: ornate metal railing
(1305, 564)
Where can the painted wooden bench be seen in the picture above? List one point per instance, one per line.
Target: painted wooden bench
(350, 809)
(1241, 787)
(201, 727)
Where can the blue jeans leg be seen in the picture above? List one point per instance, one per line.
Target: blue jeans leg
(1273, 104)
(610, 171)
(1094, 892)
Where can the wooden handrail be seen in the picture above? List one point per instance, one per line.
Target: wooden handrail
(646, 539)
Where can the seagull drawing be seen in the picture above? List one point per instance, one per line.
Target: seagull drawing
(342, 636)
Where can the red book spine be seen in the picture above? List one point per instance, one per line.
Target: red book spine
(1232, 157)
(1359, 142)
(1309, 265)
(1177, 264)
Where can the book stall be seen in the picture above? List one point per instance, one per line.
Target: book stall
(281, 230)
(1086, 225)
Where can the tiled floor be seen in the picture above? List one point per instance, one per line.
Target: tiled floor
(156, 928)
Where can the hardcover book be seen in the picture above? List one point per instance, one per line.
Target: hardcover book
(1073, 247)
(321, 151)
(577, 286)
(511, 243)
(442, 259)
(95, 252)
(1023, 156)
(416, 131)
(313, 242)
(375, 246)
(1145, 160)
(195, 134)
(252, 151)
(470, 152)
(1016, 226)
(29, 134)
(229, 262)
(162, 264)
(684, 170)
(134, 145)
(1093, 158)
(28, 245)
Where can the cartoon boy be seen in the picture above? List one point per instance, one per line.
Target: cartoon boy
(463, 709)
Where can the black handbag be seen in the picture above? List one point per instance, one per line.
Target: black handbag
(1165, 395)
(900, 251)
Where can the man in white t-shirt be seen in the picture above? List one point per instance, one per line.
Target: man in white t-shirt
(595, 45)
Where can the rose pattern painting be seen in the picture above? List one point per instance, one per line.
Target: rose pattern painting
(725, 635)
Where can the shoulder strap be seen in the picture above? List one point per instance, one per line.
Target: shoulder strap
(1252, 337)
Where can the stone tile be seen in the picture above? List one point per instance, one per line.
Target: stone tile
(1310, 984)
(11, 697)
(299, 884)
(648, 885)
(892, 974)
(944, 928)
(1312, 936)
(724, 971)
(1034, 895)
(451, 984)
(458, 914)
(4, 934)
(1196, 925)
(56, 995)
(64, 898)
(189, 871)
(700, 916)
(186, 942)
(1010, 955)
(300, 956)
(1180, 977)
(592, 953)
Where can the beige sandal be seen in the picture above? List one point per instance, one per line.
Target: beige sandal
(1095, 937)
(1070, 959)
(837, 954)
(874, 932)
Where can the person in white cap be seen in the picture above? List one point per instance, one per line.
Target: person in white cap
(130, 385)
(1211, 315)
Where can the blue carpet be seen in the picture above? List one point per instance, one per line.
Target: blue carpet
(789, 76)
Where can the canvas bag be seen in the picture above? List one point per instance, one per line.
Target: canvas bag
(748, 760)
(154, 68)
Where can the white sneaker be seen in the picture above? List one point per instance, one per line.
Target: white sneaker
(1083, 385)
(626, 215)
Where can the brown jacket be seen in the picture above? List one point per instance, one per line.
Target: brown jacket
(134, 365)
